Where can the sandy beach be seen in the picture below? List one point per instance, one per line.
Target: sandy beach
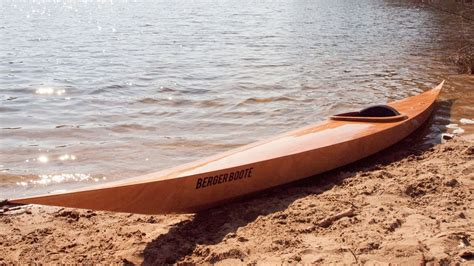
(411, 204)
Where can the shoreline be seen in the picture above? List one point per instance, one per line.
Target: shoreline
(407, 204)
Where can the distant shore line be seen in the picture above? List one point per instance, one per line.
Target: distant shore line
(463, 58)
(462, 8)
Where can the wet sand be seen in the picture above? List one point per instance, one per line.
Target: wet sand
(409, 204)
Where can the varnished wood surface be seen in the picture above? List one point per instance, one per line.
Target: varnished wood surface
(275, 161)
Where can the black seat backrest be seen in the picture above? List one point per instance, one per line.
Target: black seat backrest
(378, 111)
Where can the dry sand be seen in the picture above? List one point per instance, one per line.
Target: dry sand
(411, 203)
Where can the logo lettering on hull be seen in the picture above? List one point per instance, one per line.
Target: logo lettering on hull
(223, 178)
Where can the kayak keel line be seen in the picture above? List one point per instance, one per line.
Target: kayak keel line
(337, 141)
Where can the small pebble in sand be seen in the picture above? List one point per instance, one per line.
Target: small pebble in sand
(458, 131)
(447, 136)
(452, 182)
(242, 239)
(466, 121)
(469, 150)
(467, 254)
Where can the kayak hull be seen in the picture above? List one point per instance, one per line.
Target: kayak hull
(285, 158)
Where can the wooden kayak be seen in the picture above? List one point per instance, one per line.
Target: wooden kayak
(305, 152)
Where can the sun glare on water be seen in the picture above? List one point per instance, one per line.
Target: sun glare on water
(43, 159)
(50, 91)
(66, 157)
(60, 178)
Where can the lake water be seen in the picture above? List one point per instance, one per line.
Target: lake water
(93, 91)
